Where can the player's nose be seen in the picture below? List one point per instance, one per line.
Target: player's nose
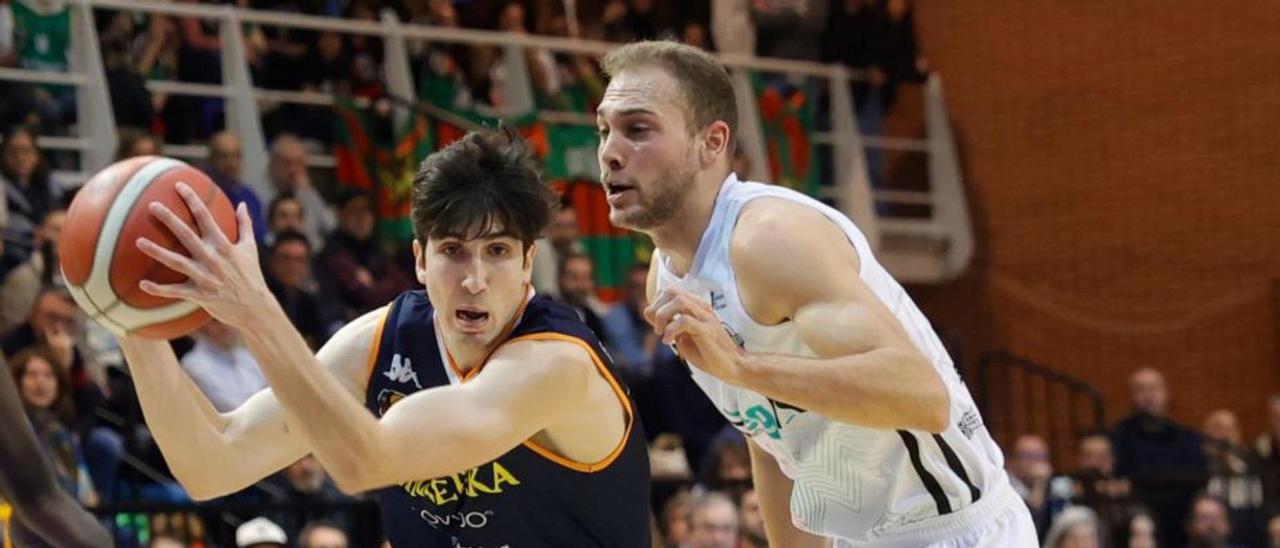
(476, 277)
(611, 154)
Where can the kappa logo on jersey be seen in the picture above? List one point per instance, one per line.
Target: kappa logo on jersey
(401, 371)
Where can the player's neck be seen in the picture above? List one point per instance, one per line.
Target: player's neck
(679, 237)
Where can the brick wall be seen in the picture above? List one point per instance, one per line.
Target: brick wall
(1123, 166)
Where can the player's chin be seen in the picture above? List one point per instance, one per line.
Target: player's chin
(631, 217)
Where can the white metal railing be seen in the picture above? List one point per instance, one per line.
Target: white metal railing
(948, 224)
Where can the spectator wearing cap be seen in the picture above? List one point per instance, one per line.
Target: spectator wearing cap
(260, 533)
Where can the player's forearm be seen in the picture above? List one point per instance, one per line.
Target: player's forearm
(186, 427)
(883, 388)
(341, 433)
(773, 491)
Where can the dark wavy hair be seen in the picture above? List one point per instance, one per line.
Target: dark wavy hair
(485, 180)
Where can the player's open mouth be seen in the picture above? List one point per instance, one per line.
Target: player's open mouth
(614, 191)
(615, 188)
(469, 317)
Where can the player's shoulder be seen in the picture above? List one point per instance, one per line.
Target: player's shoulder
(775, 219)
(552, 328)
(775, 235)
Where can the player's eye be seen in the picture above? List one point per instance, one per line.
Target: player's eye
(450, 249)
(499, 250)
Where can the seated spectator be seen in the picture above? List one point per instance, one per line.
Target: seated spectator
(1096, 484)
(225, 155)
(1273, 532)
(578, 290)
(284, 214)
(1267, 450)
(260, 533)
(695, 34)
(288, 276)
(288, 173)
(23, 283)
(1234, 477)
(222, 366)
(713, 521)
(1031, 473)
(636, 349)
(136, 142)
(752, 529)
(29, 192)
(322, 534)
(674, 519)
(1139, 532)
(45, 392)
(1163, 459)
(1076, 527)
(1207, 523)
(353, 263)
(634, 345)
(54, 324)
(561, 239)
(303, 484)
(727, 466)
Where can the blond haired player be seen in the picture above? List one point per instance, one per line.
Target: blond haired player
(861, 432)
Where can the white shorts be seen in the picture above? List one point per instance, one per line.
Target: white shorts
(1011, 528)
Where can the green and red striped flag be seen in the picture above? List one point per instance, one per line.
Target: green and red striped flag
(787, 117)
(378, 158)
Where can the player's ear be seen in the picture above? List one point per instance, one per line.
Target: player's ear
(529, 253)
(419, 262)
(715, 143)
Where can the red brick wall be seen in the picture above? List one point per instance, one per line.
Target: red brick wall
(1123, 166)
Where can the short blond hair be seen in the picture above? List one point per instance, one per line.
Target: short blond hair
(705, 88)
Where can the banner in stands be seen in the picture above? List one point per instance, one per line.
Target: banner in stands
(786, 113)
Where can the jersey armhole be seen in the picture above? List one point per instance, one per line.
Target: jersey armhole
(371, 361)
(627, 410)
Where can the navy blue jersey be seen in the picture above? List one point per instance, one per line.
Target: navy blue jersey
(529, 497)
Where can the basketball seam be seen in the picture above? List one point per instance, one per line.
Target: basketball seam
(99, 278)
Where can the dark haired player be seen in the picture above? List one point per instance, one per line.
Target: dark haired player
(484, 416)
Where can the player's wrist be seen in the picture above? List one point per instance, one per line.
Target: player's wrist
(745, 367)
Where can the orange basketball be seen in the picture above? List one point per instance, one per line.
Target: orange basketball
(98, 247)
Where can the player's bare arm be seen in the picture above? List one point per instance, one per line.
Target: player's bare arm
(510, 401)
(868, 372)
(252, 439)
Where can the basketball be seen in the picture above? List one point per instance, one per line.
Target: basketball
(98, 250)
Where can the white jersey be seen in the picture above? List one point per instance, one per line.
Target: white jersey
(863, 486)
